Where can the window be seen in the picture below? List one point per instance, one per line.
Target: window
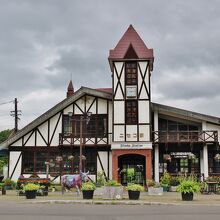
(28, 162)
(131, 73)
(131, 112)
(67, 124)
(41, 157)
(95, 127)
(90, 162)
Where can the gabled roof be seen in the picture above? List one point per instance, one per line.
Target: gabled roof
(168, 110)
(131, 38)
(57, 108)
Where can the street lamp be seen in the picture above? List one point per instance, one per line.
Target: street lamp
(83, 118)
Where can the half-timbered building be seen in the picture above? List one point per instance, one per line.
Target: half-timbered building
(114, 129)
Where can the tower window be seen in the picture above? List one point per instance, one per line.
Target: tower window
(131, 73)
(131, 112)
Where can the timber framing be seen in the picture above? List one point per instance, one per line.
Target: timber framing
(55, 110)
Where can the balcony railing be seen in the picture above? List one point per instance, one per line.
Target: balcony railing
(185, 136)
(71, 139)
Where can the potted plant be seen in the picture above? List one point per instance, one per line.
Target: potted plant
(113, 190)
(154, 188)
(88, 190)
(188, 188)
(8, 183)
(167, 157)
(165, 181)
(134, 191)
(31, 190)
(174, 182)
(2, 188)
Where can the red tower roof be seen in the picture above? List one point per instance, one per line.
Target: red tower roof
(131, 38)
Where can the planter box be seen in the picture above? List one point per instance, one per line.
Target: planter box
(88, 194)
(31, 194)
(173, 188)
(113, 192)
(133, 195)
(187, 196)
(155, 191)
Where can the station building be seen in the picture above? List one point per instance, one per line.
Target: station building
(115, 129)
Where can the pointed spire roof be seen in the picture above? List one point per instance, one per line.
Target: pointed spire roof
(131, 38)
(70, 89)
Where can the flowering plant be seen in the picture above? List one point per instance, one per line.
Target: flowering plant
(217, 157)
(167, 157)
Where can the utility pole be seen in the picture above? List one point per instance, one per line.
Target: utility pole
(16, 113)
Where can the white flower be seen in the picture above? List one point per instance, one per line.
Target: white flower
(118, 197)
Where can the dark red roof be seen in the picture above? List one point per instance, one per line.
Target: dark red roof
(131, 38)
(108, 90)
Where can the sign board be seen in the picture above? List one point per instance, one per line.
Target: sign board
(131, 145)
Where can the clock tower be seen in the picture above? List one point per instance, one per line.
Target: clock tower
(131, 63)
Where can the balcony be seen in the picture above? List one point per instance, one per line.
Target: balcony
(88, 139)
(185, 136)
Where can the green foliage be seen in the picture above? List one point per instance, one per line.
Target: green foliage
(135, 187)
(112, 183)
(8, 181)
(188, 186)
(88, 186)
(213, 179)
(165, 179)
(174, 181)
(31, 187)
(3, 162)
(130, 175)
(101, 178)
(2, 185)
(4, 135)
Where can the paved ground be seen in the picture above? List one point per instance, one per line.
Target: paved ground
(172, 198)
(21, 211)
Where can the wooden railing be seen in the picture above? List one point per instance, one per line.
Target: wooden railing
(71, 139)
(185, 136)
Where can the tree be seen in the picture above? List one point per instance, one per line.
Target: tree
(4, 135)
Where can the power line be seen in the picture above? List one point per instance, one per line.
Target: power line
(3, 103)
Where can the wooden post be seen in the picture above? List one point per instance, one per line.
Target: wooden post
(81, 144)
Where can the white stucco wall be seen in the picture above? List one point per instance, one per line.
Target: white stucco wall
(213, 127)
(13, 158)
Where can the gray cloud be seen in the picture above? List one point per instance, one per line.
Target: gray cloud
(42, 42)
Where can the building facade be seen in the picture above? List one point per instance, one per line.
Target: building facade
(116, 129)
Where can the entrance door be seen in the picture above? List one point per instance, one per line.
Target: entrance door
(132, 169)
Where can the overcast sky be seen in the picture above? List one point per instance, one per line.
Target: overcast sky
(43, 42)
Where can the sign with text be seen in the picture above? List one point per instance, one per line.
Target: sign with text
(131, 145)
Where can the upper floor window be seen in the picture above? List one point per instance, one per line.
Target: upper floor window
(96, 126)
(67, 124)
(131, 73)
(131, 112)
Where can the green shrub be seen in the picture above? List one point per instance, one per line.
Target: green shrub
(112, 183)
(135, 187)
(88, 186)
(165, 179)
(174, 181)
(101, 178)
(8, 181)
(31, 187)
(188, 186)
(130, 175)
